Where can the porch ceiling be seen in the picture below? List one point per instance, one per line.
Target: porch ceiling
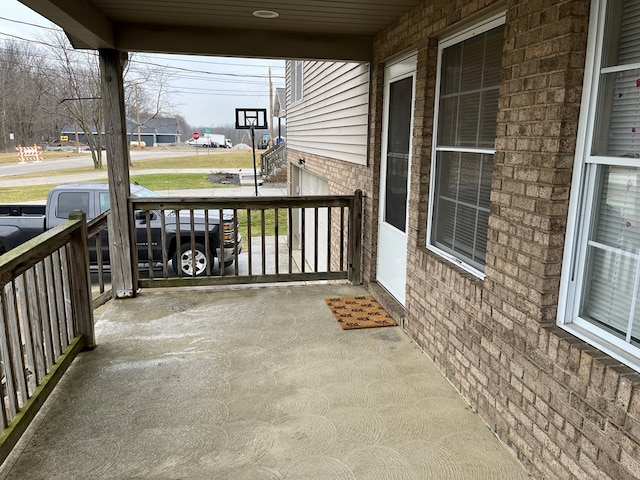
(329, 29)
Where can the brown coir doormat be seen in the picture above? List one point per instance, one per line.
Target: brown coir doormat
(359, 312)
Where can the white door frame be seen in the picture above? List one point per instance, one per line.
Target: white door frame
(391, 271)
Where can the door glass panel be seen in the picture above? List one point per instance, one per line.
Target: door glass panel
(398, 139)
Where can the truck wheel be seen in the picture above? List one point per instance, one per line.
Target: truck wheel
(190, 262)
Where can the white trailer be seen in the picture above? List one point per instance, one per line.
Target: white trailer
(212, 140)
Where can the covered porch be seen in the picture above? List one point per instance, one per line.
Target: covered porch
(253, 383)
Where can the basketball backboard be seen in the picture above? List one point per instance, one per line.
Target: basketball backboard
(247, 118)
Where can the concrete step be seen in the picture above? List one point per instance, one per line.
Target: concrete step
(249, 179)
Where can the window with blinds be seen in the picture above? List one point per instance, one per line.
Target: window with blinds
(603, 284)
(469, 82)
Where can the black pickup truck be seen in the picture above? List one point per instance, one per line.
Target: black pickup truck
(19, 223)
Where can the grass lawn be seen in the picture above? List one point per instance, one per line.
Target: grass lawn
(213, 161)
(25, 194)
(12, 157)
(202, 160)
(269, 223)
(162, 181)
(176, 181)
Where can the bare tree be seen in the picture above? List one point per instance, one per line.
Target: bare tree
(77, 89)
(183, 127)
(146, 94)
(43, 89)
(21, 68)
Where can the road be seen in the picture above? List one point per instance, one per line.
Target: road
(10, 174)
(84, 160)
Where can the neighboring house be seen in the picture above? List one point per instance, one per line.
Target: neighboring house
(327, 115)
(498, 152)
(279, 112)
(156, 131)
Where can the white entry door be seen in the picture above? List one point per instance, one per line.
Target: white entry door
(397, 127)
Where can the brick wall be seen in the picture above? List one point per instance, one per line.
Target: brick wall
(344, 178)
(566, 409)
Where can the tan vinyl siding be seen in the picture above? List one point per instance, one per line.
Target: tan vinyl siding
(331, 119)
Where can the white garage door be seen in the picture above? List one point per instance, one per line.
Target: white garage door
(314, 185)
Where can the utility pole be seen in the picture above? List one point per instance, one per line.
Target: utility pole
(138, 117)
(4, 140)
(270, 110)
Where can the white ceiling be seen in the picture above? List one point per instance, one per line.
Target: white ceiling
(319, 29)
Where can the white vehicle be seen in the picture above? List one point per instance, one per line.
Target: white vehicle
(200, 142)
(218, 140)
(211, 140)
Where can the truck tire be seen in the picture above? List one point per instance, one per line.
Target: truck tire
(190, 260)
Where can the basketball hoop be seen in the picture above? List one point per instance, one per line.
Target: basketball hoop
(250, 119)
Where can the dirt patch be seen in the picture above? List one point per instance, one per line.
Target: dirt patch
(224, 178)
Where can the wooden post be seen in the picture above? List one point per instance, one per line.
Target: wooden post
(354, 251)
(121, 242)
(81, 282)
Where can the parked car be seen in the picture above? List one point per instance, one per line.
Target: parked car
(19, 223)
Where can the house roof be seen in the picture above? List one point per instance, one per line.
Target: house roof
(158, 125)
(304, 29)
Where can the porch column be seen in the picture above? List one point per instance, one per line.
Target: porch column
(123, 279)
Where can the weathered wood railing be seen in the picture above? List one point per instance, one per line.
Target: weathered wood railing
(273, 159)
(284, 239)
(47, 318)
(97, 238)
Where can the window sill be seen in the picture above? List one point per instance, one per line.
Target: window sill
(456, 263)
(470, 276)
(587, 333)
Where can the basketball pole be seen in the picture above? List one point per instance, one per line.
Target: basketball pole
(253, 149)
(249, 119)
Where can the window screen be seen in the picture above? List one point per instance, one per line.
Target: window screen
(610, 269)
(600, 284)
(470, 73)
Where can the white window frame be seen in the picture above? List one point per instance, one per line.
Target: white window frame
(581, 206)
(297, 81)
(476, 29)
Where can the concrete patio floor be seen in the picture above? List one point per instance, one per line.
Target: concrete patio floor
(254, 383)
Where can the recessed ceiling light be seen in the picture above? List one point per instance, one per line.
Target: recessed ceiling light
(266, 14)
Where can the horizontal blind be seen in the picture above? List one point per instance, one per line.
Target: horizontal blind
(624, 129)
(614, 249)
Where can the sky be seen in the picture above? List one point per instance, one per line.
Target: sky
(204, 90)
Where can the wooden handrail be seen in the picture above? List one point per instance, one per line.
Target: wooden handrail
(205, 203)
(47, 318)
(313, 217)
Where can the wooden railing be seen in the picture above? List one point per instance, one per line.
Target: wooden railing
(45, 284)
(47, 318)
(97, 238)
(273, 159)
(283, 239)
